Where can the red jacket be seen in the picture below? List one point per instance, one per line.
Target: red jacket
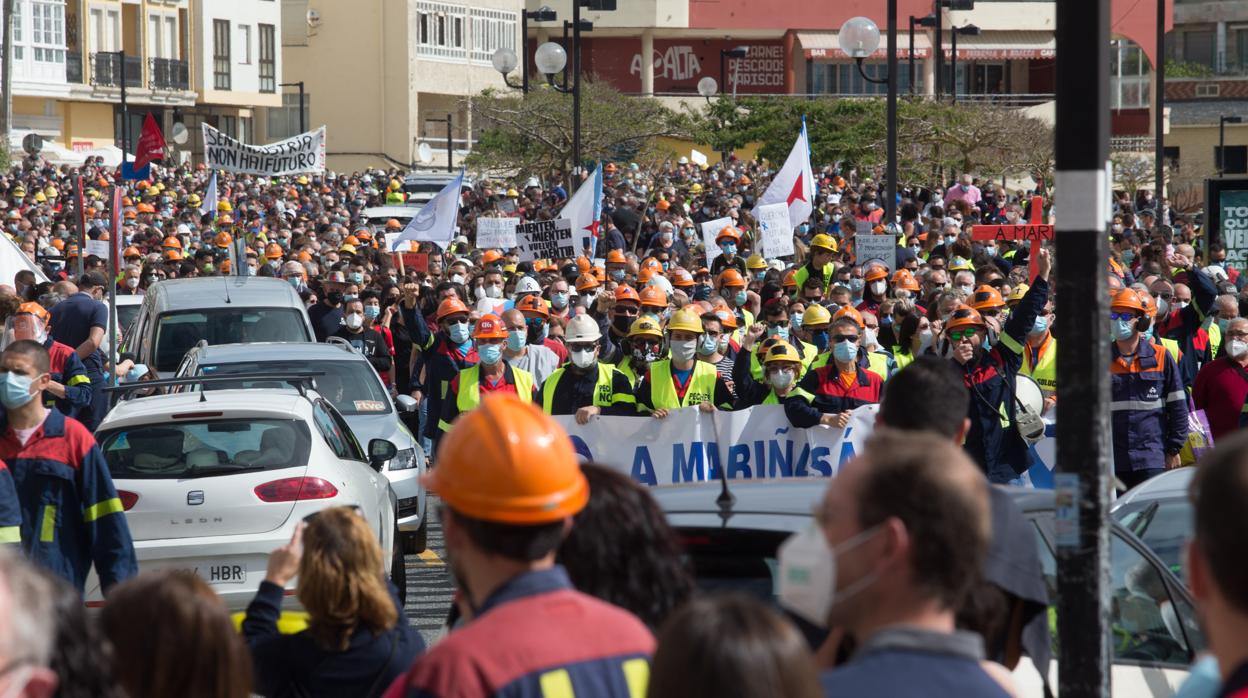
(1220, 390)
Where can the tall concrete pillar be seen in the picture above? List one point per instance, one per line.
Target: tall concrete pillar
(1219, 56)
(647, 62)
(929, 75)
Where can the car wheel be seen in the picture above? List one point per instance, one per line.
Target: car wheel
(417, 541)
(398, 568)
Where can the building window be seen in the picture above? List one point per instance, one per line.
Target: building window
(844, 79)
(1234, 158)
(17, 30)
(1171, 156)
(1128, 76)
(221, 54)
(1199, 47)
(47, 30)
(492, 30)
(244, 40)
(283, 122)
(245, 129)
(268, 58)
(440, 30)
(228, 125)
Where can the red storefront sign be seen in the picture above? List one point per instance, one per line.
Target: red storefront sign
(903, 52)
(680, 63)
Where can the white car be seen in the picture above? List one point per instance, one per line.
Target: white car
(215, 481)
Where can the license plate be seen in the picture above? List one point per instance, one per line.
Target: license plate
(226, 573)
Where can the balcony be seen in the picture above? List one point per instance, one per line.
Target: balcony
(168, 74)
(106, 70)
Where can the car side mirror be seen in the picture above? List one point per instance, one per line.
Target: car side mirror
(380, 451)
(406, 403)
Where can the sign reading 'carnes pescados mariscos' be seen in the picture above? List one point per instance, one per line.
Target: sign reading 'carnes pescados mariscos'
(295, 155)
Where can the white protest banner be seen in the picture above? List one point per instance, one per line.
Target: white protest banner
(392, 238)
(545, 240)
(774, 229)
(881, 247)
(690, 445)
(496, 233)
(99, 248)
(863, 227)
(698, 158)
(709, 230)
(297, 154)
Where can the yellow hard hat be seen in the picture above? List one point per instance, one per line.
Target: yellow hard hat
(645, 325)
(1017, 293)
(824, 241)
(816, 315)
(685, 320)
(781, 351)
(756, 261)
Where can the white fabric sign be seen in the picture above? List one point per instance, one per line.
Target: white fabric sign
(879, 247)
(545, 240)
(496, 233)
(774, 228)
(697, 157)
(99, 248)
(709, 230)
(295, 155)
(691, 446)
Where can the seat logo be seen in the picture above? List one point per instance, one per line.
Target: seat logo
(195, 497)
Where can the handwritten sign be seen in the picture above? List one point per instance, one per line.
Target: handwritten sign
(881, 248)
(415, 261)
(709, 230)
(496, 233)
(774, 229)
(545, 240)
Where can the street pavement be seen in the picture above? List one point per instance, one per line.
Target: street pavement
(429, 586)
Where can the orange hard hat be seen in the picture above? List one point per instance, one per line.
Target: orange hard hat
(489, 327)
(491, 256)
(508, 462)
(600, 274)
(728, 231)
(964, 316)
(986, 297)
(170, 255)
(905, 281)
(393, 224)
(626, 293)
(132, 251)
(616, 257)
(651, 263)
(58, 244)
(532, 304)
(790, 279)
(586, 281)
(35, 309)
(850, 311)
(875, 272)
(1150, 305)
(104, 236)
(732, 278)
(727, 319)
(304, 256)
(171, 243)
(225, 266)
(363, 235)
(583, 264)
(222, 239)
(273, 251)
(644, 275)
(653, 295)
(351, 240)
(72, 250)
(662, 205)
(450, 306)
(681, 278)
(1128, 298)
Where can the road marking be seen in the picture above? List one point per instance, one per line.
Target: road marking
(430, 558)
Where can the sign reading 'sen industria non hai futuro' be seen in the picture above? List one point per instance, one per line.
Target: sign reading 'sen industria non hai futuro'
(299, 154)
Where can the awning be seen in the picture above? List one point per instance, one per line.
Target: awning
(1002, 45)
(824, 45)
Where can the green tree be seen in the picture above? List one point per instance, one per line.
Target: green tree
(531, 134)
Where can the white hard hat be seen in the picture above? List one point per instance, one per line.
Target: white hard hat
(582, 328)
(1029, 404)
(528, 285)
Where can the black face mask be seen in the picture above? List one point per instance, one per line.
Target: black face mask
(621, 323)
(334, 297)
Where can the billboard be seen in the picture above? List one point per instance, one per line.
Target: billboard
(1226, 212)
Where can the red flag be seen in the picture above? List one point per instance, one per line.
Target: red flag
(151, 144)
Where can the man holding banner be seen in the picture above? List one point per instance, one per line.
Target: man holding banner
(682, 380)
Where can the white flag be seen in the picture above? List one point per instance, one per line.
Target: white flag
(584, 209)
(209, 204)
(437, 219)
(793, 185)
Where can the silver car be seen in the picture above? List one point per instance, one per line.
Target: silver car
(355, 390)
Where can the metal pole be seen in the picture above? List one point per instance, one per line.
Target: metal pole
(910, 58)
(566, 45)
(953, 63)
(1083, 451)
(723, 86)
(1221, 145)
(890, 205)
(524, 57)
(303, 118)
(449, 156)
(1159, 118)
(940, 50)
(125, 111)
(576, 86)
(6, 83)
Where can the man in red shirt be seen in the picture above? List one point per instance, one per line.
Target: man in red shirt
(1221, 387)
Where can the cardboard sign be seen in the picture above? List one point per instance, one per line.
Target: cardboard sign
(496, 233)
(709, 230)
(774, 229)
(545, 240)
(882, 247)
(697, 157)
(415, 261)
(99, 248)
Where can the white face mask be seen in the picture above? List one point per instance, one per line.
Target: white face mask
(780, 379)
(877, 287)
(808, 573)
(583, 359)
(355, 321)
(869, 337)
(684, 351)
(925, 340)
(457, 278)
(1236, 348)
(492, 291)
(132, 282)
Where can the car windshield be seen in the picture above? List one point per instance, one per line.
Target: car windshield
(179, 331)
(126, 315)
(734, 559)
(206, 448)
(350, 386)
(1165, 525)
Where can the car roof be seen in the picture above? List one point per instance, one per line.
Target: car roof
(129, 300)
(213, 292)
(1172, 484)
(269, 351)
(255, 403)
(391, 212)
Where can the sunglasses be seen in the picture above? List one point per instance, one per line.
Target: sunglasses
(626, 310)
(990, 312)
(582, 346)
(1121, 316)
(845, 338)
(959, 335)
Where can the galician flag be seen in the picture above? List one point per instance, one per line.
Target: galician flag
(794, 184)
(437, 219)
(584, 209)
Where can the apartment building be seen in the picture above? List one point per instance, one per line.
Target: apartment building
(386, 75)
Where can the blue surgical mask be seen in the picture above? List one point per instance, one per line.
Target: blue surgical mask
(294, 281)
(458, 332)
(740, 298)
(372, 311)
(804, 228)
(845, 351)
(15, 390)
(617, 274)
(348, 297)
(728, 248)
(1121, 329)
(782, 332)
(1128, 256)
(950, 239)
(821, 339)
(559, 300)
(490, 353)
(136, 373)
(1224, 325)
(516, 339)
(1040, 326)
(707, 345)
(856, 285)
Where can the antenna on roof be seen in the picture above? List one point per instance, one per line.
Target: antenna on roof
(225, 280)
(726, 499)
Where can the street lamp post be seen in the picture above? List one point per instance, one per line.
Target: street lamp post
(726, 54)
(1159, 118)
(860, 37)
(505, 60)
(969, 30)
(303, 126)
(1222, 122)
(707, 87)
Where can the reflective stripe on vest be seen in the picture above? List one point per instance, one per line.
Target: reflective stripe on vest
(470, 386)
(663, 385)
(1172, 348)
(604, 391)
(771, 398)
(1044, 372)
